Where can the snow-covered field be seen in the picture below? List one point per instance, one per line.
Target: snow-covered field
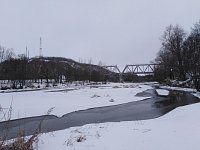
(177, 130)
(35, 103)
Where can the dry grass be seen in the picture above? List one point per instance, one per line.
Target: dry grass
(21, 142)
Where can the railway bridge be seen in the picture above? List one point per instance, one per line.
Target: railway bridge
(135, 69)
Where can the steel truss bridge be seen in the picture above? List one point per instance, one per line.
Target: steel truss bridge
(134, 69)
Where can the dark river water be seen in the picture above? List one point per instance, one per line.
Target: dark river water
(141, 110)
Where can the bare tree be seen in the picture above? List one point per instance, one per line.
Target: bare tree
(192, 54)
(171, 54)
(5, 53)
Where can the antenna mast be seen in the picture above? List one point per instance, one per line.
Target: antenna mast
(26, 52)
(40, 55)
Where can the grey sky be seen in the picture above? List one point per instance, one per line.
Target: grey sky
(113, 31)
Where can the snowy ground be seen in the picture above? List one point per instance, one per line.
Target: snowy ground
(177, 130)
(34, 103)
(190, 90)
(162, 92)
(178, 88)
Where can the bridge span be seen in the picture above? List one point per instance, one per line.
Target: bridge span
(134, 69)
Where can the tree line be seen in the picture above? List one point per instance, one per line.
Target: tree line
(20, 69)
(179, 56)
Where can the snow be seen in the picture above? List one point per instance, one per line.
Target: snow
(177, 130)
(190, 90)
(178, 88)
(197, 94)
(69, 99)
(162, 92)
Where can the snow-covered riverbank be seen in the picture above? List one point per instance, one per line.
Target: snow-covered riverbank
(177, 130)
(190, 90)
(69, 99)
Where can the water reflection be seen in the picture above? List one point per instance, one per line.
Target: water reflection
(176, 99)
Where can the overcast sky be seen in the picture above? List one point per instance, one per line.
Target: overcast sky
(113, 31)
